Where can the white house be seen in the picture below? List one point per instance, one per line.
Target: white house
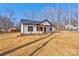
(72, 27)
(36, 27)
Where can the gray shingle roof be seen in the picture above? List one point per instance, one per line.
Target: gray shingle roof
(33, 22)
(29, 22)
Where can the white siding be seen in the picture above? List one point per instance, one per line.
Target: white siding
(45, 23)
(24, 28)
(53, 29)
(21, 28)
(48, 29)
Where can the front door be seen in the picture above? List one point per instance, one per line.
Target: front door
(44, 29)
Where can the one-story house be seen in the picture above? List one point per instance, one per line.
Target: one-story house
(9, 30)
(12, 30)
(72, 27)
(36, 27)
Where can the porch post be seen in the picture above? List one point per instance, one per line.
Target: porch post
(39, 29)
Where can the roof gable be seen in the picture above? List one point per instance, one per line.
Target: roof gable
(45, 22)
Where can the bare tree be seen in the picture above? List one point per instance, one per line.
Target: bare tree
(9, 13)
(47, 13)
(6, 23)
(17, 26)
(59, 17)
(6, 19)
(30, 14)
(78, 17)
(0, 22)
(69, 17)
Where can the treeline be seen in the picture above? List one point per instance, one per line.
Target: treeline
(57, 16)
(7, 21)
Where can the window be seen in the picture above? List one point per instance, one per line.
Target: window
(39, 28)
(30, 28)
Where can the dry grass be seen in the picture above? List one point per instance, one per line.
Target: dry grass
(12, 40)
(65, 44)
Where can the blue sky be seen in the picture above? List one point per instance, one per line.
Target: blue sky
(19, 8)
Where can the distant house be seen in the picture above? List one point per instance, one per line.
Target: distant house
(72, 27)
(36, 27)
(12, 30)
(2, 30)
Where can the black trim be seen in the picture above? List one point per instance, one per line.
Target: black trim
(47, 21)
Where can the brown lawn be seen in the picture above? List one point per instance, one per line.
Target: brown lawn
(58, 44)
(12, 40)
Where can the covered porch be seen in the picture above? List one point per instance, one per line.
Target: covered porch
(44, 28)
